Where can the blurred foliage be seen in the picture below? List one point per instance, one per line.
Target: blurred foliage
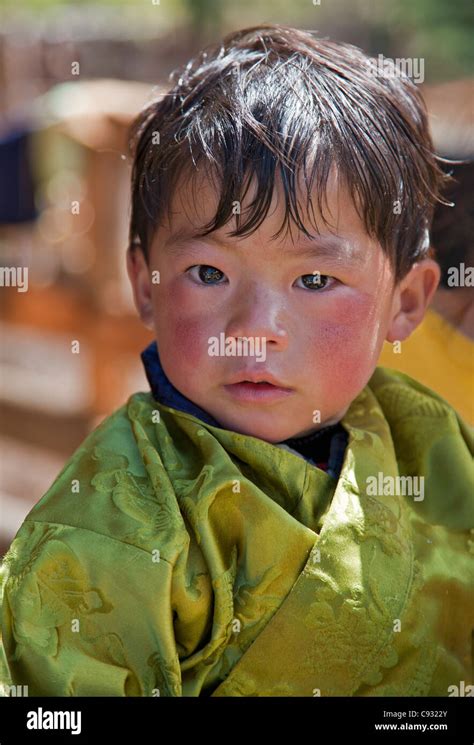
(205, 13)
(437, 30)
(441, 32)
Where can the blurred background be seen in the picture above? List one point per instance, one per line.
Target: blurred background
(73, 75)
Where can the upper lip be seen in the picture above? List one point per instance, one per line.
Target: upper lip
(256, 377)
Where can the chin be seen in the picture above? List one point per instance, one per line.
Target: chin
(268, 433)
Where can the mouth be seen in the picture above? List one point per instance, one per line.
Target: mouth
(260, 383)
(257, 391)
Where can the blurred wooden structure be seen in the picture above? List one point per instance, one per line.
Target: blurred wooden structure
(78, 290)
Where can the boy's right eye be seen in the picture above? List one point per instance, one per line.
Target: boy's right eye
(208, 275)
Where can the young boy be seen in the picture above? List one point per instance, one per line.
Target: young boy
(276, 517)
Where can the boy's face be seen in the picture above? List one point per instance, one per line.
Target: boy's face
(322, 345)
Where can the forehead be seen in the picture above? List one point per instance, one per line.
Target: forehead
(196, 198)
(337, 230)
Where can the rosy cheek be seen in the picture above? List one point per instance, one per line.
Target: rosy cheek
(189, 339)
(340, 328)
(342, 345)
(183, 326)
(354, 308)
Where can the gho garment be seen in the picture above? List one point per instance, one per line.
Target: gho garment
(173, 557)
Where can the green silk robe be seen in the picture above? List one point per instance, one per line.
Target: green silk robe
(175, 558)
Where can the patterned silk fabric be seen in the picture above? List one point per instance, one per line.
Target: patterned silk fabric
(175, 558)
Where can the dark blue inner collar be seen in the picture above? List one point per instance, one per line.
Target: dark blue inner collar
(164, 391)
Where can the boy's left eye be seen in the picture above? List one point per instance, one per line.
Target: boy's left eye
(315, 281)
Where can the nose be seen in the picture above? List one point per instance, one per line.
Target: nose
(259, 312)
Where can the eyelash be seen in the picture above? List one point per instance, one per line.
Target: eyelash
(210, 284)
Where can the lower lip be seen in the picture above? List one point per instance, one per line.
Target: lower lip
(261, 392)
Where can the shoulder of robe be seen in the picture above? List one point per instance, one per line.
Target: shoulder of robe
(403, 397)
(432, 440)
(108, 488)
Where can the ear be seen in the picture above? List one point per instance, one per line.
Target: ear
(139, 276)
(411, 299)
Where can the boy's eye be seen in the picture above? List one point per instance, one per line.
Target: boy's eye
(315, 281)
(208, 275)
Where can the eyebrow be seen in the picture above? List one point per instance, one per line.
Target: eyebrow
(326, 247)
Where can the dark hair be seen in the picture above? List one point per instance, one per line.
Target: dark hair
(453, 227)
(274, 97)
